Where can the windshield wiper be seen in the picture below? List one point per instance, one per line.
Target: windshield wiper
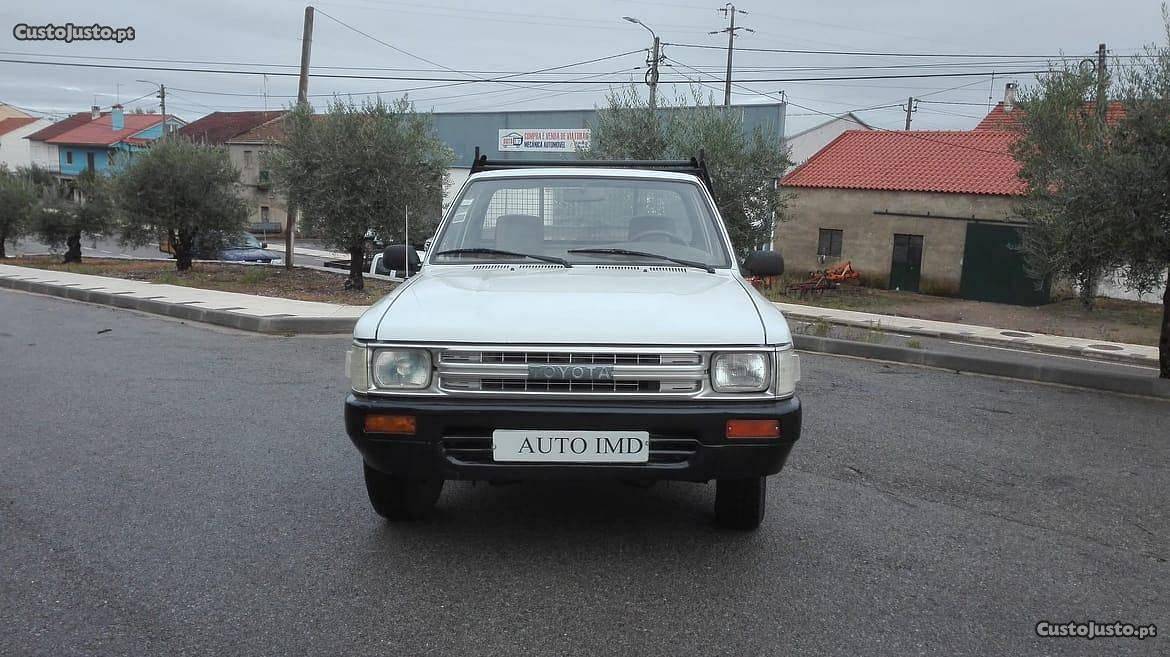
(678, 261)
(553, 259)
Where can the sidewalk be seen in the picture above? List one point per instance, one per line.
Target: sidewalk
(1040, 342)
(243, 311)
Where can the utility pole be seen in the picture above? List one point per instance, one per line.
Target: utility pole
(911, 107)
(302, 100)
(652, 74)
(162, 106)
(1102, 99)
(162, 102)
(730, 11)
(652, 63)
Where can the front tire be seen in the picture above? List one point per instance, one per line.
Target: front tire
(739, 503)
(395, 497)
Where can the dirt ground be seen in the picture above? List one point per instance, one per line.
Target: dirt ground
(263, 280)
(1115, 320)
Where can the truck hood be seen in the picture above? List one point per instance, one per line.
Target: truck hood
(582, 305)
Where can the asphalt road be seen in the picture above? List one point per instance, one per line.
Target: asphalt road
(168, 489)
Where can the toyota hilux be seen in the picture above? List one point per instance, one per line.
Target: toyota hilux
(576, 320)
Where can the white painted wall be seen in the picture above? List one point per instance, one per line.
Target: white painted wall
(15, 150)
(44, 155)
(804, 145)
(1113, 286)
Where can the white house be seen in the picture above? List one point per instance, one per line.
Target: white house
(15, 150)
(804, 144)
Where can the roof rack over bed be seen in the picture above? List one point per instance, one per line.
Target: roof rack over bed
(694, 166)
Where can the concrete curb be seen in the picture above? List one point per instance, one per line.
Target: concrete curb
(976, 339)
(1134, 384)
(270, 324)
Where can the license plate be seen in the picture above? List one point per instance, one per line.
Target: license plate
(555, 446)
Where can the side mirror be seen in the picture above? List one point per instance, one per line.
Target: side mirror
(764, 263)
(264, 245)
(401, 257)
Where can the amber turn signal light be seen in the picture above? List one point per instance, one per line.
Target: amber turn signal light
(403, 424)
(753, 428)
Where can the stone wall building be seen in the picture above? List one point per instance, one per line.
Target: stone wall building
(929, 211)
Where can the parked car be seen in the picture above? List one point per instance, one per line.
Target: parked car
(241, 247)
(575, 320)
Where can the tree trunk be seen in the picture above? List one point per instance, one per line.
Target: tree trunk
(73, 253)
(1164, 339)
(1088, 290)
(3, 239)
(357, 262)
(182, 259)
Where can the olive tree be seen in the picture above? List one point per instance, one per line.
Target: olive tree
(17, 200)
(1099, 190)
(744, 167)
(65, 213)
(359, 169)
(180, 192)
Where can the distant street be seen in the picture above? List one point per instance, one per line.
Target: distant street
(174, 489)
(110, 248)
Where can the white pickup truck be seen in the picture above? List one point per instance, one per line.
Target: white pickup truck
(576, 320)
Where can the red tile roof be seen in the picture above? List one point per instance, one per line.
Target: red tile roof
(978, 162)
(12, 123)
(218, 127)
(265, 132)
(100, 132)
(60, 127)
(998, 119)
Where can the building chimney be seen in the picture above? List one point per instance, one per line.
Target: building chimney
(95, 112)
(1009, 96)
(117, 118)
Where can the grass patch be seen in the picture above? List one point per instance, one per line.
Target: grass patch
(1112, 320)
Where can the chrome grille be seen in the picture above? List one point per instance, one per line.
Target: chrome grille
(568, 386)
(635, 372)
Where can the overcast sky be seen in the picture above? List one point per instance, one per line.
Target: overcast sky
(495, 38)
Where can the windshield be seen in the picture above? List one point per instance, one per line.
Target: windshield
(558, 216)
(243, 241)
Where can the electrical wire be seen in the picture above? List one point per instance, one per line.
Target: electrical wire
(861, 53)
(502, 80)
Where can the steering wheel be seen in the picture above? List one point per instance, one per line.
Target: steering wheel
(670, 237)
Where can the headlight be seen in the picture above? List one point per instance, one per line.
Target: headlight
(740, 372)
(401, 369)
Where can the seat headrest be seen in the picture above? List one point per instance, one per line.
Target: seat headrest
(519, 232)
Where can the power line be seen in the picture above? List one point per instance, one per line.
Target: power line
(503, 79)
(165, 60)
(860, 53)
(834, 116)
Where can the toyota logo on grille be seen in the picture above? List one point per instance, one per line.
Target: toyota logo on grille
(570, 372)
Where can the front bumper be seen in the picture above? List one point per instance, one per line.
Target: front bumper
(453, 437)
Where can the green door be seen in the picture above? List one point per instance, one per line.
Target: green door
(906, 268)
(993, 268)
